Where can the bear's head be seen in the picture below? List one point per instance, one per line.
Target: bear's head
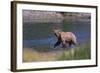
(57, 32)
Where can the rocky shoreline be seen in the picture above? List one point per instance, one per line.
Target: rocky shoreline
(53, 17)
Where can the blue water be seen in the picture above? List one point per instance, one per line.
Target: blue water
(33, 37)
(50, 41)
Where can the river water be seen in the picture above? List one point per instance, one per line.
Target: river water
(41, 34)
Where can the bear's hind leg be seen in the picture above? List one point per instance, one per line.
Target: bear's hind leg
(70, 43)
(63, 44)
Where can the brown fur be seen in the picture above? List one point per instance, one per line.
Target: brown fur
(65, 37)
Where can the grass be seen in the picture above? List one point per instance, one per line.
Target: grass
(77, 53)
(33, 55)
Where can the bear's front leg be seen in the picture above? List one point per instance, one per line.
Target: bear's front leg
(57, 43)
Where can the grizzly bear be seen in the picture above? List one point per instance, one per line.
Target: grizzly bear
(64, 38)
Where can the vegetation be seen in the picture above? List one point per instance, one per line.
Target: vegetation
(77, 53)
